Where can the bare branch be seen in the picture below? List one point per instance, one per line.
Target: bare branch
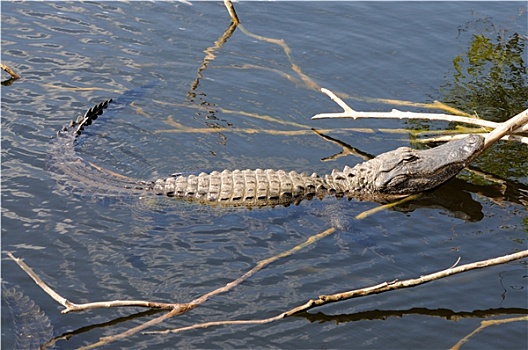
(456, 263)
(517, 127)
(339, 101)
(175, 309)
(387, 286)
(261, 264)
(508, 127)
(232, 13)
(444, 138)
(132, 331)
(379, 288)
(57, 297)
(72, 307)
(374, 210)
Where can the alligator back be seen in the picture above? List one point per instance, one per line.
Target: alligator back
(243, 187)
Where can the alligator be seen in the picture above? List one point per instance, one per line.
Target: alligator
(31, 327)
(389, 176)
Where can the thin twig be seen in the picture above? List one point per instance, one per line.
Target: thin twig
(72, 307)
(445, 138)
(175, 308)
(337, 100)
(456, 263)
(263, 263)
(56, 296)
(395, 203)
(200, 300)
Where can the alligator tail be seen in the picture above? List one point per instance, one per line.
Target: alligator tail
(77, 126)
(82, 178)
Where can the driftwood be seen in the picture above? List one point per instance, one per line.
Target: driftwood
(515, 125)
(484, 324)
(175, 309)
(376, 289)
(72, 307)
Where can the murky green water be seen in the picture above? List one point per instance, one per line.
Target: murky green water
(238, 102)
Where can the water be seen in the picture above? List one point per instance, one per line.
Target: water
(72, 55)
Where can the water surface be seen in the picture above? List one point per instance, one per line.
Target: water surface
(238, 102)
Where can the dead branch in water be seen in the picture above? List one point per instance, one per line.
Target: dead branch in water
(484, 324)
(232, 13)
(376, 289)
(178, 309)
(72, 307)
(515, 125)
(175, 308)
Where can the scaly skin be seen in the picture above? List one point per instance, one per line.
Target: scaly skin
(390, 175)
(31, 326)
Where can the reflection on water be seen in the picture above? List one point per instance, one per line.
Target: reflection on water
(215, 95)
(384, 314)
(490, 78)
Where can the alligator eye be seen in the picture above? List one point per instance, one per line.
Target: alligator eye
(409, 158)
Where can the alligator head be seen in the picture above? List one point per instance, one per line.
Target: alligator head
(405, 171)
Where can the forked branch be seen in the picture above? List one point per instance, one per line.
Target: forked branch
(175, 308)
(72, 307)
(517, 124)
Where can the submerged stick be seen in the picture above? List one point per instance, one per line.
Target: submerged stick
(485, 324)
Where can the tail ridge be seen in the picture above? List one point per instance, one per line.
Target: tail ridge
(77, 126)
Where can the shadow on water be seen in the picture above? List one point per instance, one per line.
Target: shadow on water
(447, 314)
